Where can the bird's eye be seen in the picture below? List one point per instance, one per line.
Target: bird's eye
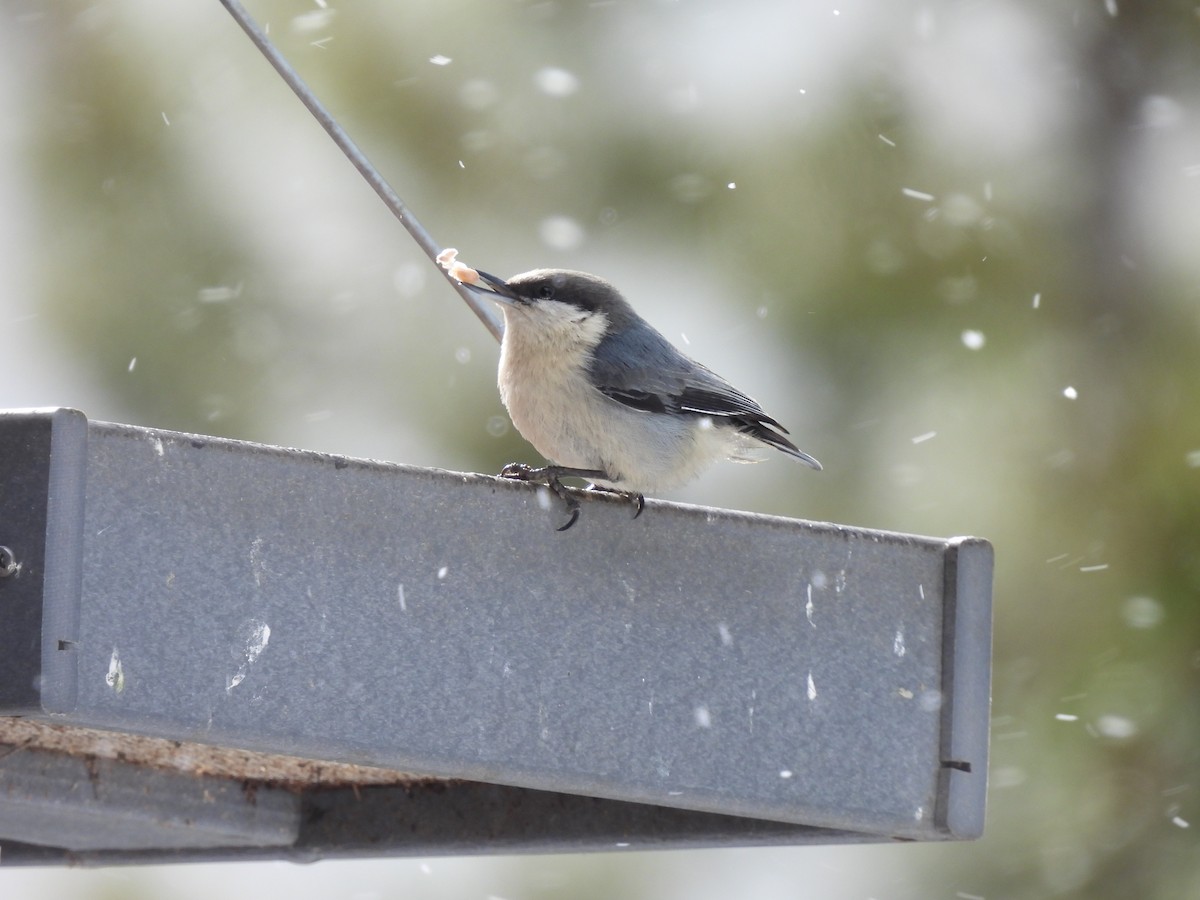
(546, 291)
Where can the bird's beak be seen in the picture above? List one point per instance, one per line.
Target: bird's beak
(495, 288)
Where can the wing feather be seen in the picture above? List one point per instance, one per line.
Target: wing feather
(643, 370)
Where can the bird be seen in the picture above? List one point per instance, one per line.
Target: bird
(603, 396)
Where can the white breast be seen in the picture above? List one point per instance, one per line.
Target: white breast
(543, 384)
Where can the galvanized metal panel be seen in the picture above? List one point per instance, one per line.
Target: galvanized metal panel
(437, 623)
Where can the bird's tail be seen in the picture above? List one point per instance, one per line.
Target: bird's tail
(760, 431)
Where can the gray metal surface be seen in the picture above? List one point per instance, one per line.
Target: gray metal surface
(452, 818)
(433, 622)
(24, 488)
(98, 804)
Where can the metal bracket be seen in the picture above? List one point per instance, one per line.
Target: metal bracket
(694, 677)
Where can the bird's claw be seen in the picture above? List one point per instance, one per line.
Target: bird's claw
(550, 476)
(637, 499)
(573, 506)
(518, 471)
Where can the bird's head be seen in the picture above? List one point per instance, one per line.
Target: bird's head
(559, 299)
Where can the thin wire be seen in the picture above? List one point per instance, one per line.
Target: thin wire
(486, 313)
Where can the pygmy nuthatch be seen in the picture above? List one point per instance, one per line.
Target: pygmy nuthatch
(605, 397)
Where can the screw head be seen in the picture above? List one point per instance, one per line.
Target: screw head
(8, 562)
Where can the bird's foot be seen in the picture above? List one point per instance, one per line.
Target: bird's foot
(637, 499)
(551, 477)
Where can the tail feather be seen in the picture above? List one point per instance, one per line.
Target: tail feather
(761, 432)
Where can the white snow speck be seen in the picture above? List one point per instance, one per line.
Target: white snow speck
(257, 634)
(1007, 776)
(1114, 726)
(258, 641)
(786, 773)
(1066, 717)
(1097, 568)
(462, 355)
(1070, 393)
(973, 340)
(561, 232)
(732, 185)
(1180, 822)
(556, 82)
(440, 60)
(400, 595)
(1037, 301)
(726, 637)
(887, 140)
(922, 438)
(1111, 7)
(812, 687)
(1142, 612)
(930, 700)
(808, 607)
(443, 572)
(703, 717)
(115, 678)
(1193, 459)
(543, 498)
(221, 293)
(256, 563)
(898, 643)
(917, 195)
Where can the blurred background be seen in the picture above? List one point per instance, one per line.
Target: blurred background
(953, 246)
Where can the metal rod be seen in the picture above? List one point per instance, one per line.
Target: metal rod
(486, 313)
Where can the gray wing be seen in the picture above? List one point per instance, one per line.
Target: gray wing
(641, 369)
